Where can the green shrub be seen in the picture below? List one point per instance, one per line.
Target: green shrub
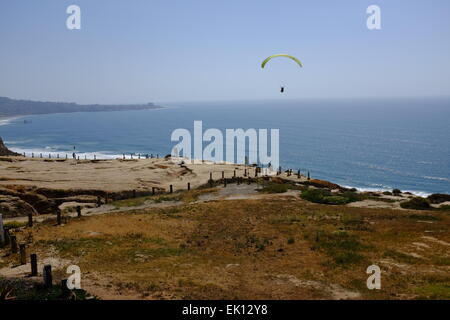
(275, 188)
(387, 193)
(325, 196)
(335, 200)
(416, 203)
(396, 192)
(315, 195)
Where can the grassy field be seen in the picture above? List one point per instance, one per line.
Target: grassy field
(279, 247)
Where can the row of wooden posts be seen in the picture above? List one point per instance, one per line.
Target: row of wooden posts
(66, 156)
(151, 156)
(6, 239)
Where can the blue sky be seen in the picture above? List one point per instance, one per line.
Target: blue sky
(190, 50)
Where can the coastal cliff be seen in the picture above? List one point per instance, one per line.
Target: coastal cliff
(11, 107)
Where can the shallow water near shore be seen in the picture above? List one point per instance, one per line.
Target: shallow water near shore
(375, 144)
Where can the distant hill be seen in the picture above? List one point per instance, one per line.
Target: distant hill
(12, 107)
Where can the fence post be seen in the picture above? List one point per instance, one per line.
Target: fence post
(30, 219)
(79, 211)
(34, 271)
(171, 189)
(7, 237)
(308, 175)
(23, 253)
(298, 174)
(48, 281)
(13, 240)
(223, 175)
(65, 292)
(234, 174)
(224, 183)
(32, 155)
(2, 231)
(58, 216)
(153, 191)
(189, 186)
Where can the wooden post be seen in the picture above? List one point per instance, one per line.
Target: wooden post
(308, 175)
(245, 172)
(41, 155)
(23, 253)
(79, 211)
(65, 291)
(49, 156)
(7, 237)
(34, 270)
(32, 154)
(298, 174)
(30, 220)
(171, 189)
(210, 180)
(153, 191)
(223, 175)
(47, 273)
(58, 216)
(189, 186)
(234, 174)
(13, 244)
(95, 157)
(57, 155)
(224, 183)
(256, 172)
(249, 180)
(123, 156)
(2, 230)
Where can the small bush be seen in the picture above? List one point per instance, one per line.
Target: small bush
(335, 200)
(416, 203)
(396, 192)
(315, 195)
(324, 196)
(275, 188)
(387, 193)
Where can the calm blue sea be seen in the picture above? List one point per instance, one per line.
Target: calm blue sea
(372, 144)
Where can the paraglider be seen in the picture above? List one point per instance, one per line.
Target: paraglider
(263, 64)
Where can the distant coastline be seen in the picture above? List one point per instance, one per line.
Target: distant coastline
(12, 108)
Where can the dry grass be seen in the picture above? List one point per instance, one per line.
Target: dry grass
(278, 248)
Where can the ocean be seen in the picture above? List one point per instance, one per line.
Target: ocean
(370, 144)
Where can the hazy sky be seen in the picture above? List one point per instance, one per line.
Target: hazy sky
(187, 50)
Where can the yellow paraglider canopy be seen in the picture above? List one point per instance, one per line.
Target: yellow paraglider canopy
(280, 55)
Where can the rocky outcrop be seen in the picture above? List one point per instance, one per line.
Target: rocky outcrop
(4, 151)
(11, 206)
(439, 198)
(323, 184)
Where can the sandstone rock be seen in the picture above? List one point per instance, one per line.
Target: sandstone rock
(11, 206)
